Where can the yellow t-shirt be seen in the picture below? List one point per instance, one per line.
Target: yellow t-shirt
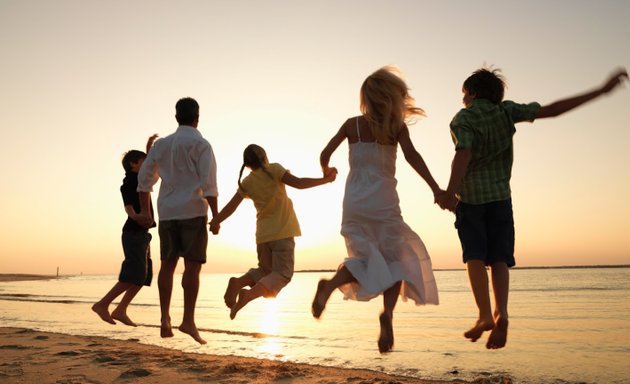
(275, 217)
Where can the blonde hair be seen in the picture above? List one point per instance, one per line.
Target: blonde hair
(387, 104)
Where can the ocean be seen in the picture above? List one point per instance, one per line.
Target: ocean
(567, 325)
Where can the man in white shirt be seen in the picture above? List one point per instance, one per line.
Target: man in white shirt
(185, 163)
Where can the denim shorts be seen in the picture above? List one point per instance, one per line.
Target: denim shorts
(137, 267)
(486, 232)
(187, 238)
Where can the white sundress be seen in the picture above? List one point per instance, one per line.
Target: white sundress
(382, 248)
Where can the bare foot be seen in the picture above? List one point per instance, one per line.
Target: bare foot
(165, 329)
(123, 318)
(103, 313)
(319, 303)
(480, 327)
(386, 338)
(498, 336)
(192, 331)
(243, 299)
(230, 293)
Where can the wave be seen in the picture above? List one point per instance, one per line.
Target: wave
(567, 289)
(255, 335)
(55, 299)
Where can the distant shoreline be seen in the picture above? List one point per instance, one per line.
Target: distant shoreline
(8, 277)
(24, 277)
(530, 267)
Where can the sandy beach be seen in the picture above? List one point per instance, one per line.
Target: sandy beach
(30, 356)
(41, 357)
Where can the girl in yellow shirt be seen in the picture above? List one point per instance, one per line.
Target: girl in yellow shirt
(276, 226)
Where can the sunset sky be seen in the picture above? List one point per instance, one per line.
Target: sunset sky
(81, 82)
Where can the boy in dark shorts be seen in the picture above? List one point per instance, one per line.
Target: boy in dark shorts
(479, 187)
(136, 270)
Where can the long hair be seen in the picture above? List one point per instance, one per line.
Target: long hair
(254, 157)
(387, 104)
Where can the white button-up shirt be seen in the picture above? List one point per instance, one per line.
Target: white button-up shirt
(185, 162)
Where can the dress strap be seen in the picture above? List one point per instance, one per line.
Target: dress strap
(358, 131)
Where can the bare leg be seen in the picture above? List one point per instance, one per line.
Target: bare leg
(326, 287)
(386, 337)
(190, 283)
(165, 285)
(102, 306)
(501, 288)
(479, 284)
(247, 295)
(120, 313)
(234, 286)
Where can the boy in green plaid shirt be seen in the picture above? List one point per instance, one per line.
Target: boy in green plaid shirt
(479, 187)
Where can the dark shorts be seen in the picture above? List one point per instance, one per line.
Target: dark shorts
(137, 267)
(486, 232)
(186, 238)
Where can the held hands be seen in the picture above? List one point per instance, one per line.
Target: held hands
(330, 174)
(214, 227)
(446, 200)
(144, 219)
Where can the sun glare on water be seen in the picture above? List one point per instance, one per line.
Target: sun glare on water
(268, 325)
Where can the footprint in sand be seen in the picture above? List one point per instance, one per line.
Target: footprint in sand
(104, 359)
(231, 368)
(134, 373)
(14, 346)
(11, 370)
(288, 372)
(76, 379)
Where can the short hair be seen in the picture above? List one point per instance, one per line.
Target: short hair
(387, 104)
(186, 111)
(486, 84)
(132, 156)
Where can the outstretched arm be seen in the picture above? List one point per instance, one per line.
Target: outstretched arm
(561, 106)
(415, 160)
(307, 182)
(226, 212)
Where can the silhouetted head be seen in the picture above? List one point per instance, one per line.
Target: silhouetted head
(132, 157)
(486, 84)
(387, 104)
(254, 157)
(187, 111)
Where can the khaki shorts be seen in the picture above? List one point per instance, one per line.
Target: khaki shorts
(186, 238)
(275, 264)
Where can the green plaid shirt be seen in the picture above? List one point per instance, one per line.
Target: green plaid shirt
(486, 129)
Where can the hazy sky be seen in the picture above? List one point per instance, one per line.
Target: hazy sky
(81, 82)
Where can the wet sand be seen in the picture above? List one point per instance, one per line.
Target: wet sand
(42, 357)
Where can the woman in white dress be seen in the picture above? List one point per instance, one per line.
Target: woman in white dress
(384, 254)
